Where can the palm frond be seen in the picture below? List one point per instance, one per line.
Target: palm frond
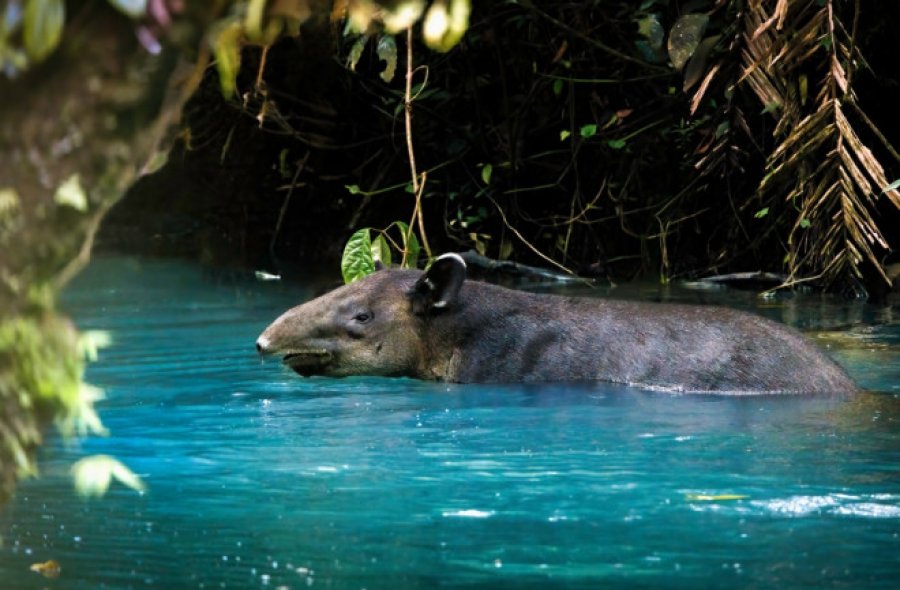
(820, 165)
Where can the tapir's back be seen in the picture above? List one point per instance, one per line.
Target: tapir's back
(513, 336)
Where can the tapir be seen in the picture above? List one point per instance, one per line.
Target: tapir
(437, 325)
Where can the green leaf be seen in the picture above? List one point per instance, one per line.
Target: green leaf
(357, 261)
(486, 172)
(685, 36)
(353, 189)
(253, 21)
(9, 204)
(444, 25)
(356, 52)
(410, 244)
(91, 341)
(652, 30)
(588, 130)
(94, 474)
(761, 213)
(70, 193)
(557, 87)
(616, 144)
(226, 48)
(43, 25)
(564, 134)
(381, 250)
(387, 50)
(891, 186)
(805, 223)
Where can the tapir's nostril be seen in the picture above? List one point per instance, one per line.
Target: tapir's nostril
(262, 345)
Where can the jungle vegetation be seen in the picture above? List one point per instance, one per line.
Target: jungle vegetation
(670, 138)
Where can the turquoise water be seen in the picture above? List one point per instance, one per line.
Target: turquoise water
(260, 479)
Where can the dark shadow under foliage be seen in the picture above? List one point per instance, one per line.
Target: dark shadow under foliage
(553, 130)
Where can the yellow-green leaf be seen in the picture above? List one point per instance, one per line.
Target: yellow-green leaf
(381, 251)
(387, 50)
(356, 51)
(445, 24)
(70, 193)
(9, 203)
(94, 474)
(401, 15)
(42, 27)
(715, 497)
(486, 172)
(410, 244)
(652, 30)
(226, 47)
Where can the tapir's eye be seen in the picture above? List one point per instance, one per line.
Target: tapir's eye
(363, 317)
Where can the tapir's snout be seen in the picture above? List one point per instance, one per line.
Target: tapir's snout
(263, 346)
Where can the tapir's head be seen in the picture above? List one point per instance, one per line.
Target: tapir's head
(370, 327)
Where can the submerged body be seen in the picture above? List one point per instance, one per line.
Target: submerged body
(439, 326)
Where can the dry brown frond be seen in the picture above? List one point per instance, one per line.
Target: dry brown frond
(820, 164)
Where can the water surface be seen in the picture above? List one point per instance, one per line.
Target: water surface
(260, 479)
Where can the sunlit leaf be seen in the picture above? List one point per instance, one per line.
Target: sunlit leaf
(133, 8)
(445, 24)
(9, 203)
(402, 15)
(357, 260)
(94, 474)
(715, 497)
(42, 27)
(805, 223)
(226, 47)
(71, 194)
(381, 250)
(892, 186)
(387, 50)
(761, 213)
(353, 189)
(48, 569)
(91, 341)
(356, 51)
(684, 37)
(253, 20)
(564, 134)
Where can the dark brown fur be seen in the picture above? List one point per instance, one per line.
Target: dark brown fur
(406, 323)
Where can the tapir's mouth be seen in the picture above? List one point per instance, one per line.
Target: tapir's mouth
(306, 362)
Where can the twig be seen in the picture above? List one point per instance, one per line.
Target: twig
(524, 241)
(418, 187)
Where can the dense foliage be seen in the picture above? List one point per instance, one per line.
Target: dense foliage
(607, 138)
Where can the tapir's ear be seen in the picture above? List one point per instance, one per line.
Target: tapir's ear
(439, 287)
(379, 265)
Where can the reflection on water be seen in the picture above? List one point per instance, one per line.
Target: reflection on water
(260, 479)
